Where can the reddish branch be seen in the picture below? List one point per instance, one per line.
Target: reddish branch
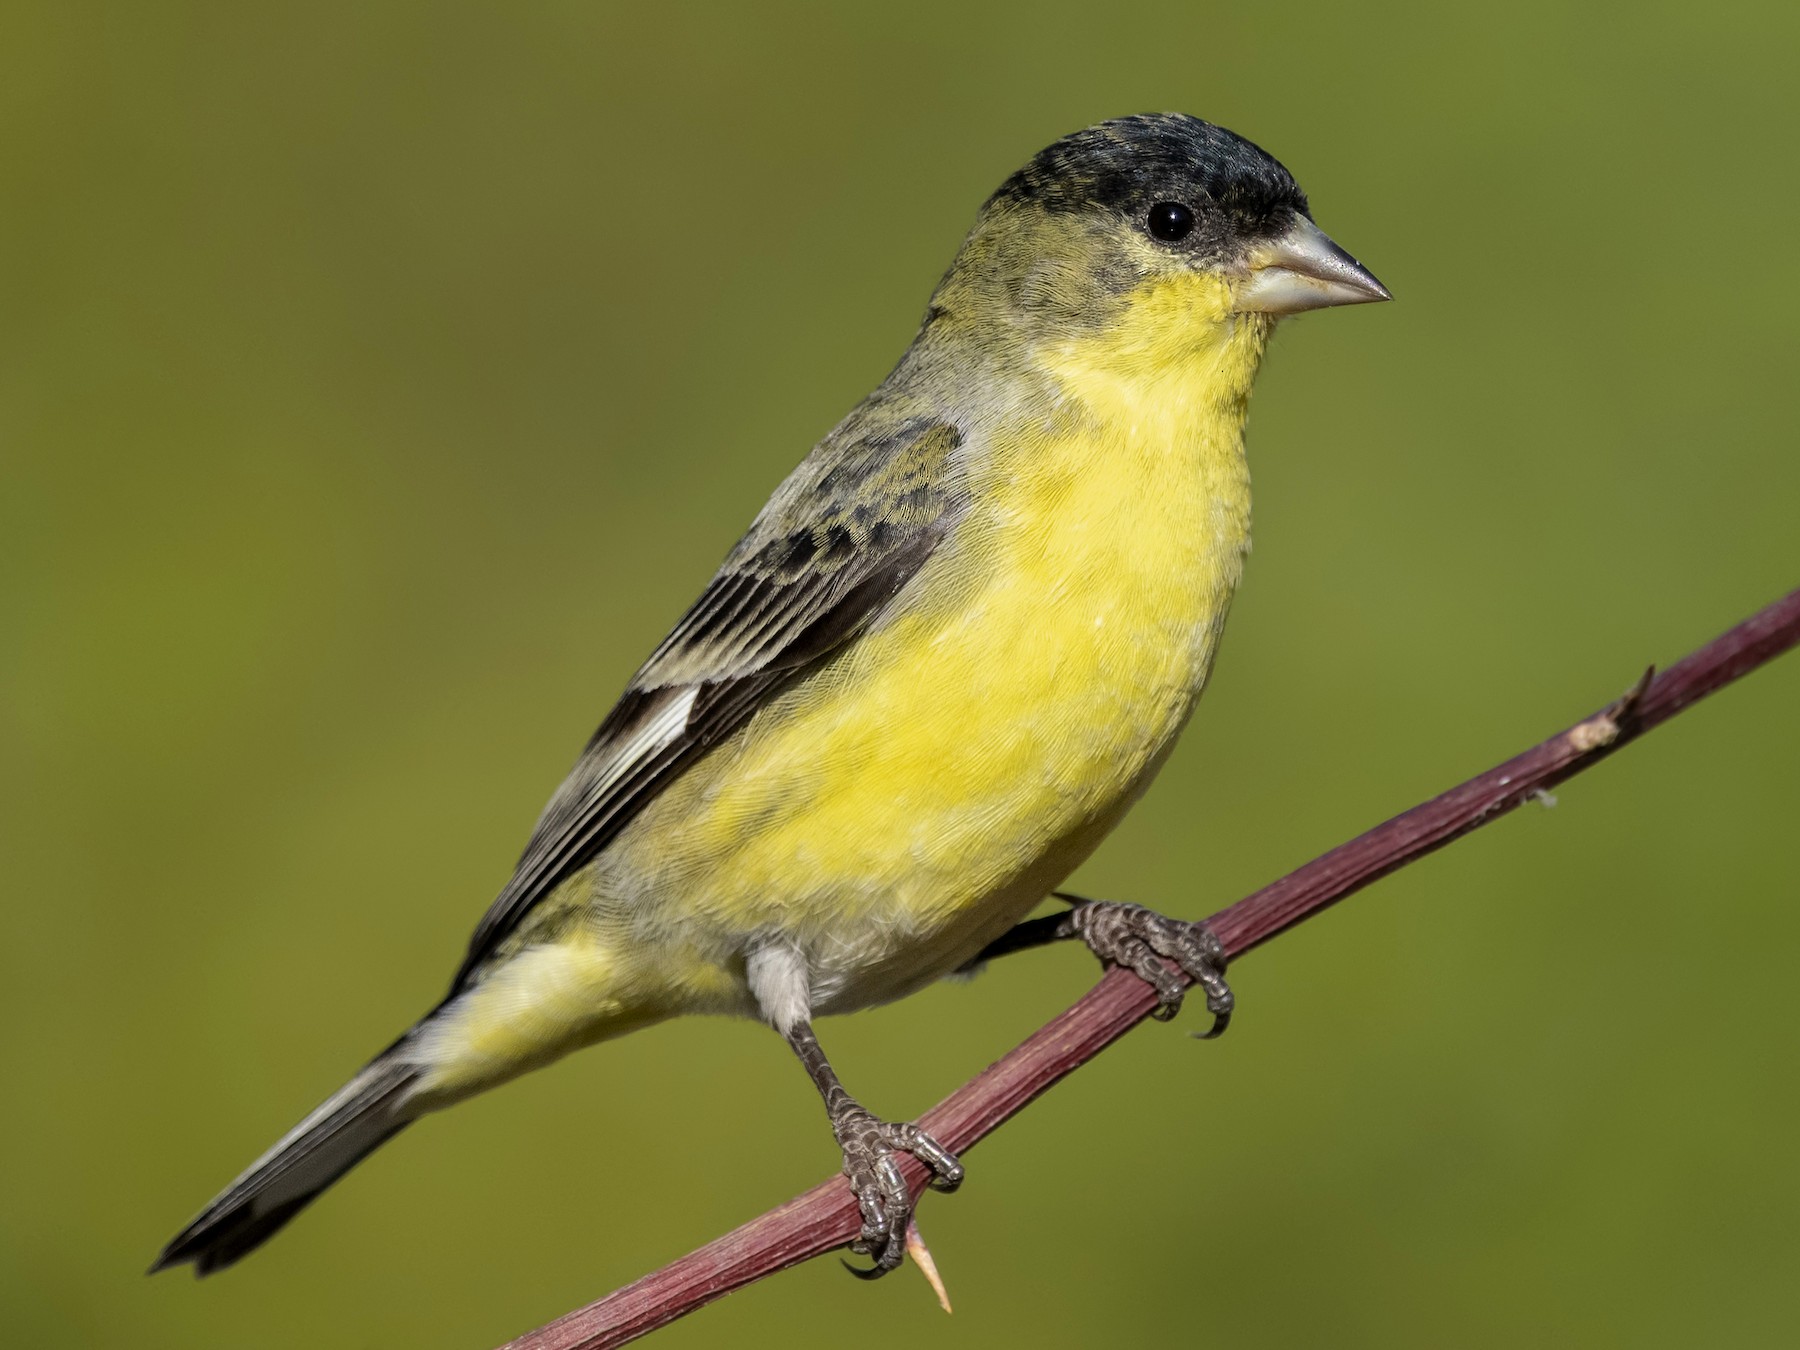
(826, 1217)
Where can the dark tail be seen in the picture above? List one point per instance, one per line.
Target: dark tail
(361, 1116)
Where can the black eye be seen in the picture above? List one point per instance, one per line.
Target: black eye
(1170, 221)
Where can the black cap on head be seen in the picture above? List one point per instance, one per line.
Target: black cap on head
(1130, 163)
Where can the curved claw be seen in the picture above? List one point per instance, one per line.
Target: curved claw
(874, 1272)
(1219, 1002)
(1220, 1022)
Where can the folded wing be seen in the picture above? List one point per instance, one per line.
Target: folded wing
(837, 542)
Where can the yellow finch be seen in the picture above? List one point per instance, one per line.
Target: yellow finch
(954, 647)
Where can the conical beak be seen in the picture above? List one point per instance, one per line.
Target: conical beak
(1304, 270)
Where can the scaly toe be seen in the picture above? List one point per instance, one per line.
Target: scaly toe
(886, 1205)
(946, 1171)
(1138, 939)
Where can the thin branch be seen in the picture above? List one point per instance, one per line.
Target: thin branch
(825, 1218)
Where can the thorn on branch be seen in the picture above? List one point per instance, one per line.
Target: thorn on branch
(1626, 708)
(921, 1257)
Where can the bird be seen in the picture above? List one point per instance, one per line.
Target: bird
(950, 652)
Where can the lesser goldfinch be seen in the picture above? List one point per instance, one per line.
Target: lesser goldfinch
(951, 651)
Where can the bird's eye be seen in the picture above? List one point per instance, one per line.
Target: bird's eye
(1170, 221)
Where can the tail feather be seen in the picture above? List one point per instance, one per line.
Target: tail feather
(351, 1124)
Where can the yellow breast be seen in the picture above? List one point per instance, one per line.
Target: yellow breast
(896, 812)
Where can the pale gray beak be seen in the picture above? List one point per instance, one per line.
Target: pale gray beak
(1304, 270)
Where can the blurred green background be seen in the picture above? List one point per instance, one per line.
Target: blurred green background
(377, 382)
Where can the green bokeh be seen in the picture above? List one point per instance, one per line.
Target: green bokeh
(378, 381)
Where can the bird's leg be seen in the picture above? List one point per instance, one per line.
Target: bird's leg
(1137, 939)
(869, 1145)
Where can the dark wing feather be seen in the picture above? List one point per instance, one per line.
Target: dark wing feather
(839, 539)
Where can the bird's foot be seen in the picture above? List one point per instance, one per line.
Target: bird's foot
(869, 1146)
(1138, 938)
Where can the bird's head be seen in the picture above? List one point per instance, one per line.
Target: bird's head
(1153, 234)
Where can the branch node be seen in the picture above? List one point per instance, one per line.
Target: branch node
(1603, 728)
(1598, 732)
